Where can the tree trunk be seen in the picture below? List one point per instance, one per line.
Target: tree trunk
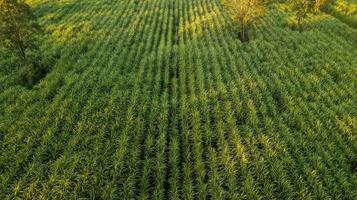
(243, 35)
(299, 24)
(22, 51)
(20, 45)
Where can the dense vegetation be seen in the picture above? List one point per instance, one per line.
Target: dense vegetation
(345, 10)
(19, 33)
(160, 99)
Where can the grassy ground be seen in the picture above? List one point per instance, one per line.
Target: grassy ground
(159, 99)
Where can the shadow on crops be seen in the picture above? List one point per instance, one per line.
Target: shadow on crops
(53, 11)
(353, 165)
(41, 59)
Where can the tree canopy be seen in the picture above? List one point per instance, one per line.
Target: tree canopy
(244, 13)
(17, 26)
(302, 9)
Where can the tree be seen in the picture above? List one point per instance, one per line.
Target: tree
(301, 8)
(304, 8)
(244, 13)
(17, 26)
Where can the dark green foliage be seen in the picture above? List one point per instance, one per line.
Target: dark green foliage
(33, 73)
(17, 26)
(19, 32)
(353, 165)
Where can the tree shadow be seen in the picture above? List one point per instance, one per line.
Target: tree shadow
(49, 10)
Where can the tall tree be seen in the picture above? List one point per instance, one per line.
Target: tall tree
(304, 8)
(17, 26)
(244, 13)
(301, 8)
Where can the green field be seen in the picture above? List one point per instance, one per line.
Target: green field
(158, 99)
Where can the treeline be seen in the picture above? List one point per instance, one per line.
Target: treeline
(245, 13)
(21, 34)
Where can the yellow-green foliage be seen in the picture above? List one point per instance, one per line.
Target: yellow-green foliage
(345, 10)
(244, 13)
